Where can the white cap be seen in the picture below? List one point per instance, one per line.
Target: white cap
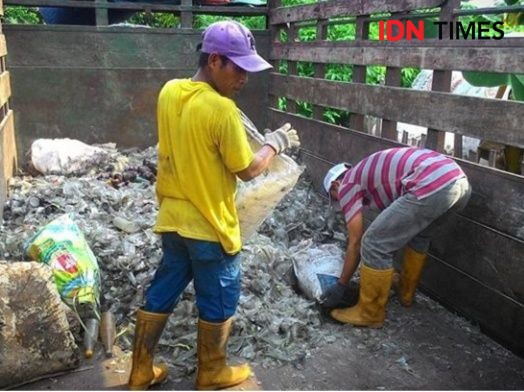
(334, 173)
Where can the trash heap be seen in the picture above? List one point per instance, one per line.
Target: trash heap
(114, 205)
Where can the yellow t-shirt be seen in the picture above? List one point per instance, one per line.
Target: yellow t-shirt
(201, 144)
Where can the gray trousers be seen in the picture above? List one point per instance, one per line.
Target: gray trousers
(411, 221)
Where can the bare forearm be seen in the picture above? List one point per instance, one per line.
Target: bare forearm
(262, 159)
(351, 261)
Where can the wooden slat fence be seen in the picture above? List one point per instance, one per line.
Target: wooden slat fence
(476, 260)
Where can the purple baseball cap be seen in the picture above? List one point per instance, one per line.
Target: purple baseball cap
(235, 41)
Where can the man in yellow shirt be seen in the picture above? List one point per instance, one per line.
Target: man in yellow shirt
(202, 149)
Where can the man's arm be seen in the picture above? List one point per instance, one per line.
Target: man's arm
(260, 163)
(355, 231)
(274, 143)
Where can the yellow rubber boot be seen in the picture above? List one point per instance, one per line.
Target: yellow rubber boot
(149, 327)
(370, 311)
(410, 274)
(213, 372)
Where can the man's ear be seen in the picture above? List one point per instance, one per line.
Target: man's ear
(214, 61)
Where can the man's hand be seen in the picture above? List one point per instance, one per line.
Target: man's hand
(282, 138)
(333, 295)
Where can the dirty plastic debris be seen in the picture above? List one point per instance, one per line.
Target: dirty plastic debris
(108, 332)
(90, 336)
(126, 225)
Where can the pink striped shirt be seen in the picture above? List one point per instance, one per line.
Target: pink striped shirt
(384, 176)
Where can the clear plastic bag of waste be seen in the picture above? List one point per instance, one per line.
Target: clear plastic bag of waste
(256, 199)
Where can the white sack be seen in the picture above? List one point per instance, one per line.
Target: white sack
(65, 156)
(318, 268)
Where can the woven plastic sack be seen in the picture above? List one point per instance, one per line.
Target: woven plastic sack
(256, 199)
(62, 246)
(317, 269)
(35, 338)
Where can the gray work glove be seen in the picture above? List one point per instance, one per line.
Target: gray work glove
(282, 138)
(333, 295)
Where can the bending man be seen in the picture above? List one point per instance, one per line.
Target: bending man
(414, 189)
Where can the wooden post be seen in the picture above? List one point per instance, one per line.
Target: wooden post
(442, 79)
(405, 137)
(101, 14)
(320, 69)
(356, 120)
(274, 38)
(457, 146)
(186, 17)
(291, 66)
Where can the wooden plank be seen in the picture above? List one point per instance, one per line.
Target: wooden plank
(5, 88)
(495, 59)
(131, 94)
(501, 211)
(338, 8)
(422, 108)
(106, 48)
(483, 253)
(211, 10)
(3, 46)
(499, 316)
(8, 157)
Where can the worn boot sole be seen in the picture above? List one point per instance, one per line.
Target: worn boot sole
(158, 379)
(341, 318)
(395, 285)
(232, 383)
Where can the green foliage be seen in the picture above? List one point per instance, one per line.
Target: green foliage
(341, 32)
(168, 20)
(252, 22)
(408, 76)
(288, 3)
(157, 19)
(21, 15)
(491, 79)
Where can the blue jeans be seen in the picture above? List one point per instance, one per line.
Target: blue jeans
(411, 221)
(215, 275)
